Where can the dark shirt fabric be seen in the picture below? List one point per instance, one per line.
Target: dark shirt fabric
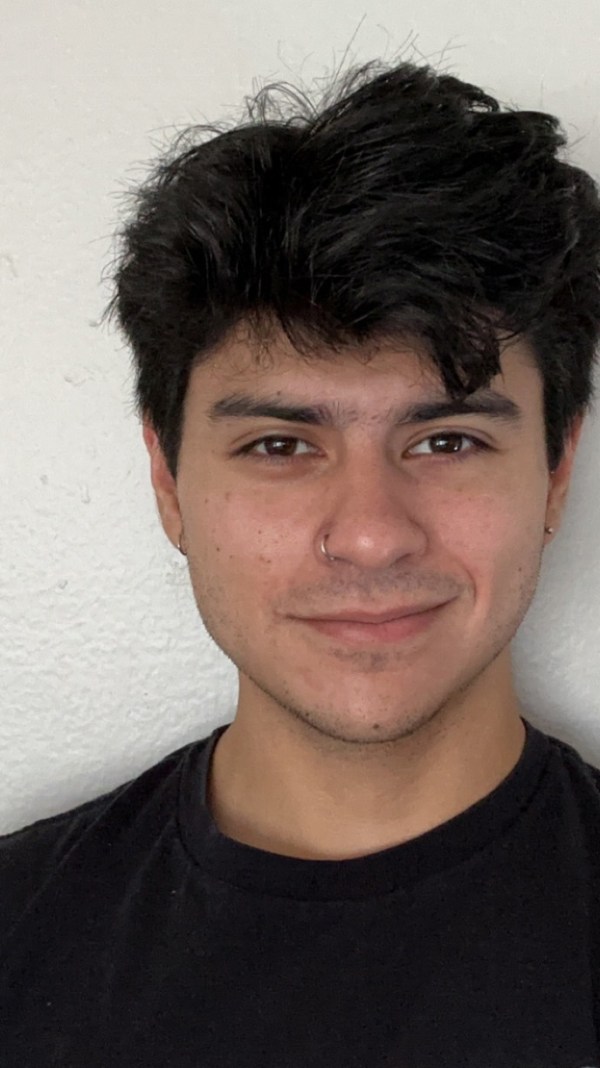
(134, 933)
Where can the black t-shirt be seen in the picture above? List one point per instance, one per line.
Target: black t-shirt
(134, 933)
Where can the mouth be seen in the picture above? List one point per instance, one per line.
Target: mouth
(389, 632)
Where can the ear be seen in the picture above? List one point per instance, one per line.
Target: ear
(164, 485)
(560, 479)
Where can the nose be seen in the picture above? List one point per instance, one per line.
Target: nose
(371, 518)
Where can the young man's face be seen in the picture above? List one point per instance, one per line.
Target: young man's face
(413, 517)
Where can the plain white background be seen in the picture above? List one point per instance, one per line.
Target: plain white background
(105, 664)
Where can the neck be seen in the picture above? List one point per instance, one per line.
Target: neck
(279, 785)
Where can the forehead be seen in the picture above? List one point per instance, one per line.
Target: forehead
(244, 355)
(365, 374)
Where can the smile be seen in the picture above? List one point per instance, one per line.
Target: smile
(393, 630)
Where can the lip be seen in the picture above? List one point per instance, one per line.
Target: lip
(357, 616)
(387, 632)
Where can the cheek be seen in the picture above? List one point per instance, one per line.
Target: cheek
(486, 525)
(247, 535)
(496, 543)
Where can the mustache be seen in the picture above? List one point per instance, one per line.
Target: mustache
(337, 595)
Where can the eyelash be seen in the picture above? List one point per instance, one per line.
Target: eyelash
(246, 450)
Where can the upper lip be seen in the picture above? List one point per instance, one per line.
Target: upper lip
(356, 616)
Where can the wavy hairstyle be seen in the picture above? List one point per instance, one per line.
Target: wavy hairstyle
(408, 203)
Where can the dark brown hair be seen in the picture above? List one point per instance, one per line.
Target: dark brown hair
(408, 203)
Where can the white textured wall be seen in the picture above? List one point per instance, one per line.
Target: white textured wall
(105, 665)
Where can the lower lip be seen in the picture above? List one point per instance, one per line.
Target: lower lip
(394, 630)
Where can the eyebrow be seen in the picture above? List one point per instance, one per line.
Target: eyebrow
(246, 406)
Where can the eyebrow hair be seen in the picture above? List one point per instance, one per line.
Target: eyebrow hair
(246, 406)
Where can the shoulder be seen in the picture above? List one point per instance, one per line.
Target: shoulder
(580, 785)
(576, 767)
(35, 855)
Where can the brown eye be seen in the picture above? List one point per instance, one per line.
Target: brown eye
(280, 446)
(453, 437)
(276, 446)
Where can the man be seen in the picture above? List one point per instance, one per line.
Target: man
(364, 341)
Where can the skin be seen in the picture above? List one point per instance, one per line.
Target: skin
(339, 751)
